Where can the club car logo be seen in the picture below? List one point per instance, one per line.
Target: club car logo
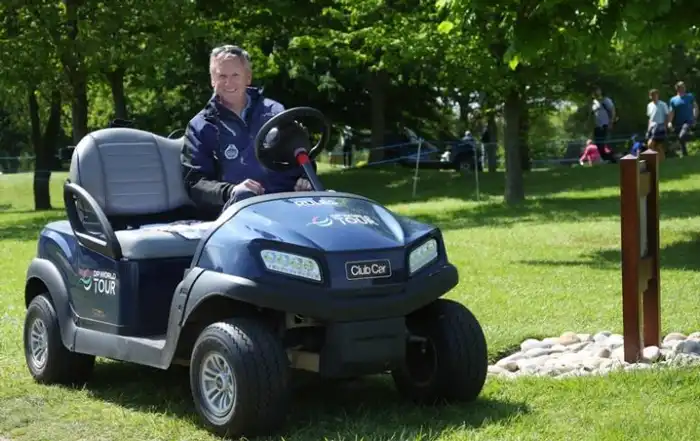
(343, 219)
(318, 203)
(368, 269)
(99, 282)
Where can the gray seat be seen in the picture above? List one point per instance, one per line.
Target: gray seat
(131, 172)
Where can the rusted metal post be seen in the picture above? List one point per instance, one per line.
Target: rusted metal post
(652, 293)
(639, 228)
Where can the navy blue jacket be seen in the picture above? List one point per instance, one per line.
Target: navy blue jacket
(218, 152)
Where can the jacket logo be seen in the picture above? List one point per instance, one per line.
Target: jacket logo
(231, 152)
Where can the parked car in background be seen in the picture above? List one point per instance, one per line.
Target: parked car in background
(400, 144)
(460, 155)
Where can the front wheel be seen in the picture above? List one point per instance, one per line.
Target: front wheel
(239, 377)
(446, 355)
(47, 358)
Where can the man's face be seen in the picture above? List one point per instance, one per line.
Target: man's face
(229, 78)
(654, 96)
(597, 93)
(680, 90)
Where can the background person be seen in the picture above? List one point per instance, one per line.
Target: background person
(684, 113)
(603, 110)
(591, 154)
(658, 114)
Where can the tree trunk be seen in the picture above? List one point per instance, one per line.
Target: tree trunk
(42, 170)
(464, 111)
(524, 129)
(79, 106)
(492, 147)
(116, 82)
(377, 87)
(514, 191)
(74, 66)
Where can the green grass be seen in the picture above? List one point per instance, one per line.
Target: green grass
(546, 267)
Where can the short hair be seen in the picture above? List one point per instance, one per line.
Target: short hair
(653, 91)
(680, 84)
(230, 51)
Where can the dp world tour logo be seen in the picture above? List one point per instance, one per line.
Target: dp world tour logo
(99, 282)
(86, 278)
(343, 219)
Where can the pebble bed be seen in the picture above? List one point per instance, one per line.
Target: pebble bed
(573, 355)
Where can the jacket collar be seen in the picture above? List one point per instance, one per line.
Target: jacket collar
(214, 110)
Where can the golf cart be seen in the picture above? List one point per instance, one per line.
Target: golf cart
(321, 281)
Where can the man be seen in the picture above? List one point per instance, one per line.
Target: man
(604, 112)
(684, 113)
(657, 111)
(218, 157)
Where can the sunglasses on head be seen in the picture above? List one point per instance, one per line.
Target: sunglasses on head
(230, 49)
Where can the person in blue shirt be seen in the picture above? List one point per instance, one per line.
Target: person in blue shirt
(683, 114)
(637, 145)
(218, 159)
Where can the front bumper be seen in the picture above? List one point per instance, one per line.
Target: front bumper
(332, 304)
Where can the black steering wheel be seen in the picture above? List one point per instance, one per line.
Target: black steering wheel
(282, 138)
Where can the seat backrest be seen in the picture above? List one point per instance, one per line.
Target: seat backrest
(130, 172)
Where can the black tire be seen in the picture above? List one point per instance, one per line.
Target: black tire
(455, 363)
(259, 372)
(58, 365)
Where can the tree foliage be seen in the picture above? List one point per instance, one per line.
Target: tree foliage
(368, 64)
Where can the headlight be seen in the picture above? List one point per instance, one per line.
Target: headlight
(291, 264)
(423, 255)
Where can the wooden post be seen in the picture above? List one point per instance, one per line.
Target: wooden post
(639, 213)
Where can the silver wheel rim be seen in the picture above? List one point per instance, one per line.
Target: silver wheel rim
(217, 385)
(38, 343)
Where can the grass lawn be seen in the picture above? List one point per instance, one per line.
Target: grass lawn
(549, 266)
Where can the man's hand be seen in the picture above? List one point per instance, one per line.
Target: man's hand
(302, 184)
(251, 185)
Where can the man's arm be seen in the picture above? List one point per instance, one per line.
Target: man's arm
(199, 167)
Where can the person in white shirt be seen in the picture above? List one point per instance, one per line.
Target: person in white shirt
(658, 114)
(605, 116)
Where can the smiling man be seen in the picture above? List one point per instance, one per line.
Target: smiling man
(218, 157)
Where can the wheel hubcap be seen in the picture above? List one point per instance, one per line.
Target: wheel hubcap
(38, 343)
(217, 386)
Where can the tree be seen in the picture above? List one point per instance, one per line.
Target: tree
(29, 69)
(379, 45)
(521, 46)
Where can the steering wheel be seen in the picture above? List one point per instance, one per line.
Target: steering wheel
(282, 138)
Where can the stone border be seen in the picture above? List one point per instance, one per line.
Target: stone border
(572, 355)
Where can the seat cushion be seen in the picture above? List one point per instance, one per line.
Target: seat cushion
(162, 241)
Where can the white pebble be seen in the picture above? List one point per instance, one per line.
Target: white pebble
(651, 353)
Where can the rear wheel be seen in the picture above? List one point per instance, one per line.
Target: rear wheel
(446, 356)
(239, 377)
(48, 360)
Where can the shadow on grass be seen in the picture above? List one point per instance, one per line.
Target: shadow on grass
(680, 255)
(366, 408)
(393, 185)
(17, 225)
(674, 204)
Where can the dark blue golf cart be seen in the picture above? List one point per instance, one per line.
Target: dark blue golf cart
(321, 281)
